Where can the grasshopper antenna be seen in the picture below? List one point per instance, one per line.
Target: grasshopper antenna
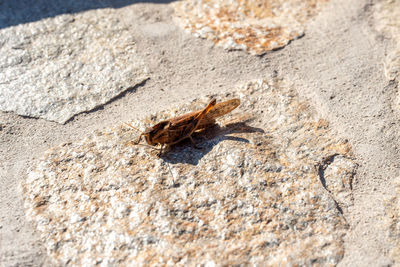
(141, 133)
(131, 126)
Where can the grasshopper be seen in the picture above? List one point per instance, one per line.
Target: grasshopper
(173, 131)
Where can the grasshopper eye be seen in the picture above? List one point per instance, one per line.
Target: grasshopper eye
(149, 139)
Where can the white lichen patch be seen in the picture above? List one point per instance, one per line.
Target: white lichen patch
(253, 26)
(251, 195)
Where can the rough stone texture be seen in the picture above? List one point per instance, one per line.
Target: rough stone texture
(58, 67)
(253, 26)
(267, 187)
(387, 22)
(393, 221)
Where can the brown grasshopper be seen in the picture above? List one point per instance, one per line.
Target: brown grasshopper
(173, 131)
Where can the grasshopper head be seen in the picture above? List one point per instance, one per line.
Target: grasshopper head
(151, 134)
(148, 135)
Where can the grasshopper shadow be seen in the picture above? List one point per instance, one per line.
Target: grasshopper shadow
(185, 152)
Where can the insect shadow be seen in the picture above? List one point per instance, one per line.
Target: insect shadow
(185, 152)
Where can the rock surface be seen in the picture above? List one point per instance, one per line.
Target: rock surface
(58, 67)
(386, 16)
(338, 65)
(268, 187)
(253, 26)
(387, 22)
(393, 222)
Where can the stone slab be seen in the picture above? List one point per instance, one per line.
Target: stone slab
(267, 187)
(58, 67)
(253, 26)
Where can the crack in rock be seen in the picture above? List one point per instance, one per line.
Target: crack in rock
(336, 173)
(59, 67)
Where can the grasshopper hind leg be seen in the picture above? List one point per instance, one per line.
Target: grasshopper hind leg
(193, 143)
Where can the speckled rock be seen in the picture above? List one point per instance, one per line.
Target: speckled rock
(392, 211)
(253, 26)
(387, 22)
(267, 186)
(58, 67)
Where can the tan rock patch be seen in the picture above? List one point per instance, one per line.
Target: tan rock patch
(252, 195)
(253, 26)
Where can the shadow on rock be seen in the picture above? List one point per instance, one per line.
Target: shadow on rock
(186, 152)
(24, 11)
